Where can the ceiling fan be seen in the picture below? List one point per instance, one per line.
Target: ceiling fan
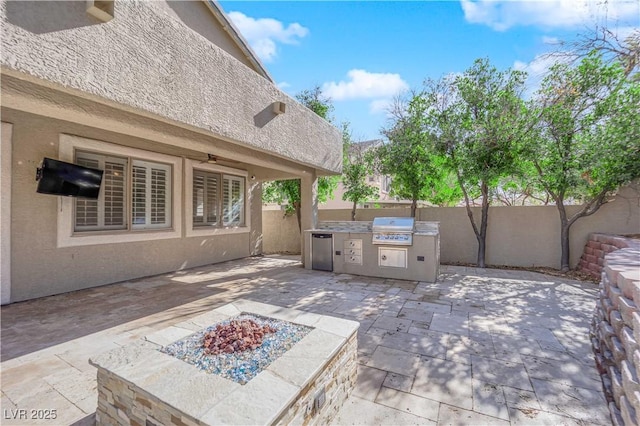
(213, 159)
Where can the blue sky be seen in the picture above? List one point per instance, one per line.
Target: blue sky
(363, 53)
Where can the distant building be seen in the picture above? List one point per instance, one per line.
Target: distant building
(381, 182)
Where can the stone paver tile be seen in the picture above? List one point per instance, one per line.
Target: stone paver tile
(369, 382)
(567, 372)
(398, 382)
(508, 356)
(7, 404)
(489, 399)
(448, 323)
(500, 372)
(380, 332)
(377, 287)
(24, 372)
(80, 388)
(395, 361)
(357, 411)
(513, 343)
(416, 315)
(488, 322)
(519, 398)
(392, 323)
(444, 308)
(461, 348)
(403, 284)
(551, 346)
(444, 381)
(367, 343)
(536, 333)
(584, 404)
(455, 416)
(353, 294)
(433, 345)
(533, 417)
(408, 403)
(45, 399)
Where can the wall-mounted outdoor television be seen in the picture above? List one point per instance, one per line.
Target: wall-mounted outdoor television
(60, 178)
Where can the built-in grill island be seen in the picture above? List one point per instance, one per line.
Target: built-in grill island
(388, 247)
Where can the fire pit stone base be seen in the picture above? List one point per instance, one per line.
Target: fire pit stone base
(138, 384)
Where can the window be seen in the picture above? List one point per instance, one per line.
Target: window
(135, 194)
(215, 194)
(233, 200)
(206, 188)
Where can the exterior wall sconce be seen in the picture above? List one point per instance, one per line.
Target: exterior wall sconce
(279, 107)
(211, 159)
(100, 9)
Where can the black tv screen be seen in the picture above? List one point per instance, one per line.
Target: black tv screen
(60, 178)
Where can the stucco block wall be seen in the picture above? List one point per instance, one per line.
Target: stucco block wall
(615, 330)
(152, 61)
(40, 268)
(281, 233)
(517, 236)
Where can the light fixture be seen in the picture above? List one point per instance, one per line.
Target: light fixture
(100, 9)
(279, 107)
(211, 159)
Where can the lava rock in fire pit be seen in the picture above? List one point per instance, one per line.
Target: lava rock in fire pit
(236, 336)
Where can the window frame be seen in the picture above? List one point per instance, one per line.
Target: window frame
(220, 229)
(67, 235)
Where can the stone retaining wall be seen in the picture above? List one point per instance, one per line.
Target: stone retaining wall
(597, 247)
(615, 329)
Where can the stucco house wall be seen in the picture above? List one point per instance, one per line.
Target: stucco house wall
(147, 60)
(160, 81)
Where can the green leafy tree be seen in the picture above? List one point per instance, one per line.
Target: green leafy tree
(287, 192)
(418, 170)
(587, 142)
(356, 167)
(477, 119)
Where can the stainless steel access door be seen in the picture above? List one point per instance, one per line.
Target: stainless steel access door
(322, 252)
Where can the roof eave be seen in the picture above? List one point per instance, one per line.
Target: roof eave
(234, 33)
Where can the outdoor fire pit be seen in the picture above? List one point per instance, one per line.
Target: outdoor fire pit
(243, 363)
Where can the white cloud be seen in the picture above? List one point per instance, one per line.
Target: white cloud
(379, 106)
(362, 84)
(536, 70)
(283, 85)
(263, 34)
(550, 40)
(504, 14)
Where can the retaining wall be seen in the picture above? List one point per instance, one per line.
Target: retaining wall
(615, 329)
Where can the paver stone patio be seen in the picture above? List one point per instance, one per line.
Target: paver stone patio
(480, 346)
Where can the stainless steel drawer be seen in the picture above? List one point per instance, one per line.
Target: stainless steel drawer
(356, 244)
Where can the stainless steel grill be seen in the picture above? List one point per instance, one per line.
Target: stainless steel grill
(396, 231)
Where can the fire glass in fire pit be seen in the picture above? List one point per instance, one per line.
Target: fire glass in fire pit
(238, 348)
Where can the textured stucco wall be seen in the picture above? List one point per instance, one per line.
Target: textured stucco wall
(146, 60)
(40, 268)
(517, 236)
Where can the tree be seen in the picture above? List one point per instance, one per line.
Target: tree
(587, 143)
(356, 166)
(419, 171)
(288, 191)
(610, 45)
(477, 119)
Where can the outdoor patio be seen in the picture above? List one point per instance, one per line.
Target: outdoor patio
(477, 347)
